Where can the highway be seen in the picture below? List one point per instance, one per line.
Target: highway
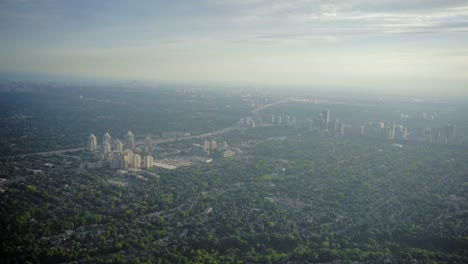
(42, 153)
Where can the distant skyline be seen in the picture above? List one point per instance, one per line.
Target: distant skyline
(407, 46)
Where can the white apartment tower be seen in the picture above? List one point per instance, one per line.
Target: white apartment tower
(148, 143)
(148, 162)
(106, 148)
(214, 145)
(278, 120)
(136, 161)
(92, 143)
(207, 145)
(118, 146)
(129, 140)
(129, 154)
(123, 161)
(107, 137)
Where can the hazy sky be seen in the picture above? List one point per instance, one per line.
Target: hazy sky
(417, 45)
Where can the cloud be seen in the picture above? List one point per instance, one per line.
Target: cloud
(341, 5)
(264, 41)
(287, 40)
(352, 17)
(405, 6)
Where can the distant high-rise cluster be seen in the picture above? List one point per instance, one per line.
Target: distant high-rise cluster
(252, 121)
(119, 155)
(285, 120)
(212, 148)
(126, 159)
(380, 130)
(276, 120)
(210, 145)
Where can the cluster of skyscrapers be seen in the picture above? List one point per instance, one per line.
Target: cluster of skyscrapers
(120, 155)
(284, 120)
(278, 120)
(204, 150)
(382, 130)
(211, 146)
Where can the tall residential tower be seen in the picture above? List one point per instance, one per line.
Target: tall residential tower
(118, 146)
(148, 143)
(106, 148)
(325, 119)
(129, 140)
(92, 143)
(107, 138)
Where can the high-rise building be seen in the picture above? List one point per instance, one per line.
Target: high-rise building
(123, 161)
(148, 162)
(106, 148)
(214, 145)
(335, 127)
(400, 132)
(107, 138)
(252, 124)
(428, 138)
(92, 143)
(148, 142)
(279, 120)
(207, 145)
(130, 155)
(136, 161)
(118, 146)
(325, 119)
(129, 140)
(359, 130)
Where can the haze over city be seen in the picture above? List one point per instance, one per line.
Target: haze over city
(234, 131)
(406, 47)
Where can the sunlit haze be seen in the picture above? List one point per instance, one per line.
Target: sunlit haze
(234, 131)
(401, 46)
